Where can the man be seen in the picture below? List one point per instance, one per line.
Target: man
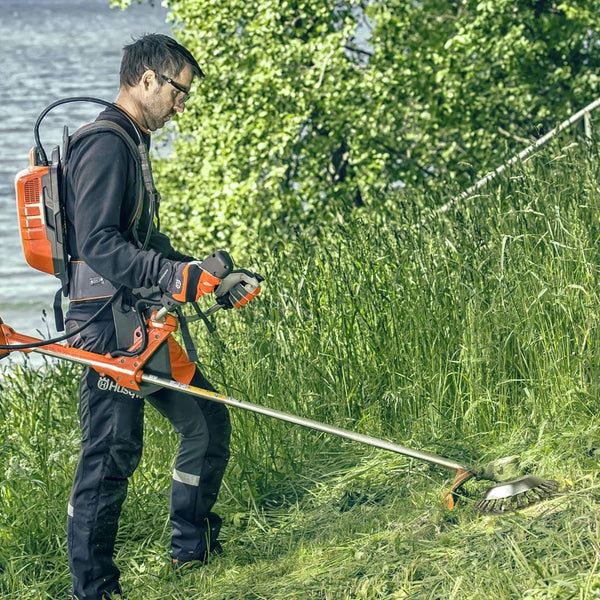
(115, 247)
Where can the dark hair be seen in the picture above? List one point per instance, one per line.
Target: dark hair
(157, 52)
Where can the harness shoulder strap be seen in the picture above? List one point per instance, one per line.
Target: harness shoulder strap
(110, 126)
(68, 142)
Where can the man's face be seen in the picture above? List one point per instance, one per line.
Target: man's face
(165, 98)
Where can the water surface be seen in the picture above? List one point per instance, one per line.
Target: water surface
(52, 49)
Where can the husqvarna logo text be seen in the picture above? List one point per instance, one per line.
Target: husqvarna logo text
(106, 384)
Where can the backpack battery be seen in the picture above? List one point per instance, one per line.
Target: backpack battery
(41, 216)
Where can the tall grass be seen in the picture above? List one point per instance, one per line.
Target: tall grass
(459, 329)
(472, 334)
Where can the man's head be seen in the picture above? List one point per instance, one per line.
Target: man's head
(156, 76)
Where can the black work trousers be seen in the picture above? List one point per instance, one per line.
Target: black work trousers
(111, 447)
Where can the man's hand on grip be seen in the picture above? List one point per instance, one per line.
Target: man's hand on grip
(238, 288)
(188, 281)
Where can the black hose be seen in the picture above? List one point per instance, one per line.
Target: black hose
(36, 128)
(66, 336)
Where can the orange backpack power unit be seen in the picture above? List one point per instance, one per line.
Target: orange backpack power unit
(41, 197)
(41, 215)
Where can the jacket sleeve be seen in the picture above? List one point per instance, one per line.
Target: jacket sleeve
(161, 243)
(102, 180)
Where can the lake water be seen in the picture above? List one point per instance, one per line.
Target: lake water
(51, 49)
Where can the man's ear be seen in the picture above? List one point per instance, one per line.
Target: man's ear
(148, 79)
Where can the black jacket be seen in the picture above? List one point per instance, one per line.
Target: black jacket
(102, 195)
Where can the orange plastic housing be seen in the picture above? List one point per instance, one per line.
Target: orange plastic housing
(29, 186)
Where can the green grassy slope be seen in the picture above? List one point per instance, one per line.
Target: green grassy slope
(474, 336)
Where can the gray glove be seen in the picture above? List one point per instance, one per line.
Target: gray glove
(238, 288)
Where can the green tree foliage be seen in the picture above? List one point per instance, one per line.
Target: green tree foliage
(313, 107)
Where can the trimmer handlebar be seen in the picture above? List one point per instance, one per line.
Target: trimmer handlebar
(162, 313)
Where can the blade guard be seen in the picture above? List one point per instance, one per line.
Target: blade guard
(461, 478)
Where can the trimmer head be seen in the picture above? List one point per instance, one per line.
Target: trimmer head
(516, 493)
(508, 494)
